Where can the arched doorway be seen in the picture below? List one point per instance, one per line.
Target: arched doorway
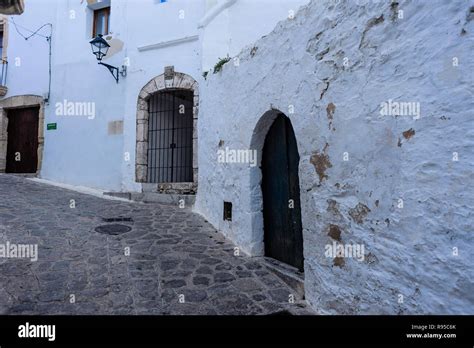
(166, 150)
(170, 136)
(283, 236)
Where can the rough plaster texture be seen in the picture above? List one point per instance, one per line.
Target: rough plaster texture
(300, 65)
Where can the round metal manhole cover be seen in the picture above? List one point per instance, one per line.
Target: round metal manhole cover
(114, 229)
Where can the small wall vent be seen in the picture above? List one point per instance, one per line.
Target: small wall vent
(227, 211)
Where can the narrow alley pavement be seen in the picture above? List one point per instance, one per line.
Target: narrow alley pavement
(171, 261)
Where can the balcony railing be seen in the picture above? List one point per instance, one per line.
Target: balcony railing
(3, 77)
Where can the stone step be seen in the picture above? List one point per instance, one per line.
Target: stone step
(155, 197)
(288, 274)
(24, 175)
(164, 198)
(124, 195)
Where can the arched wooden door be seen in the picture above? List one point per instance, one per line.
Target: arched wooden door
(283, 236)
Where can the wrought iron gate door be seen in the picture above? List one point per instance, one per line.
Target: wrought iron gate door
(170, 137)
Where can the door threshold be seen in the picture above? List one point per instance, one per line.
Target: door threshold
(24, 175)
(290, 275)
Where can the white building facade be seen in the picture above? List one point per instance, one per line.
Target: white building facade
(322, 73)
(146, 36)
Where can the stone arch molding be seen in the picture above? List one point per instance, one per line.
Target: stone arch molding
(18, 102)
(257, 142)
(169, 80)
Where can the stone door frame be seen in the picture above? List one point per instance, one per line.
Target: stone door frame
(20, 102)
(169, 80)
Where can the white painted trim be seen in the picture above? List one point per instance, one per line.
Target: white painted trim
(80, 189)
(168, 43)
(213, 13)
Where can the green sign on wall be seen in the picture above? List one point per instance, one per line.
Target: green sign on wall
(52, 126)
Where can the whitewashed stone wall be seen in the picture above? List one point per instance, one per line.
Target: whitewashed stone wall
(425, 57)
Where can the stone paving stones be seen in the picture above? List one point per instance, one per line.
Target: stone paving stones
(172, 262)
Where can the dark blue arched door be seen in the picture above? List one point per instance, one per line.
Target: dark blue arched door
(283, 236)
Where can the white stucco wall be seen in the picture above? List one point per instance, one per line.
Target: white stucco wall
(28, 59)
(301, 65)
(170, 21)
(409, 250)
(230, 25)
(81, 151)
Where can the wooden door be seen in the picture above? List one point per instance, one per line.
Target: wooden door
(22, 146)
(283, 235)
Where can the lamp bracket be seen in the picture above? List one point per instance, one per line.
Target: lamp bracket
(115, 71)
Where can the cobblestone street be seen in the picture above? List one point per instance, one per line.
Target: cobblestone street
(173, 252)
